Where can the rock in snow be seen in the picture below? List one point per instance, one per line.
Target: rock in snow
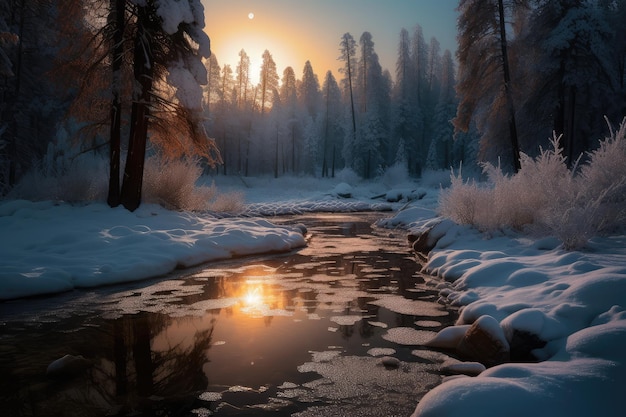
(68, 366)
(484, 342)
(449, 337)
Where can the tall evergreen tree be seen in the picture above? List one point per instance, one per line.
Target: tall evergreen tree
(213, 87)
(347, 48)
(289, 100)
(172, 46)
(440, 151)
(405, 109)
(333, 131)
(485, 88)
(414, 144)
(29, 102)
(366, 44)
(268, 79)
(309, 91)
(574, 76)
(243, 78)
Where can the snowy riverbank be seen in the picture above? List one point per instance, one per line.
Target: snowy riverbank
(574, 300)
(50, 247)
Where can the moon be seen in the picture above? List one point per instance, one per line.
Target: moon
(250, 15)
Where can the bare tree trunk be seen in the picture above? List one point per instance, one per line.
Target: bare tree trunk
(351, 101)
(507, 89)
(143, 70)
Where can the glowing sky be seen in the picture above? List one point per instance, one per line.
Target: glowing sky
(295, 31)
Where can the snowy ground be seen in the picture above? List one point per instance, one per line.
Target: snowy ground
(50, 247)
(573, 300)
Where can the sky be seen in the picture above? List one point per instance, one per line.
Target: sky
(295, 31)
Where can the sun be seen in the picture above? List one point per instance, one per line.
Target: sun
(250, 15)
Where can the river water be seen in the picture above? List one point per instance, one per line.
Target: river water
(334, 329)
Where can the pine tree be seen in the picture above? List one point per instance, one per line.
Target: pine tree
(165, 45)
(484, 75)
(268, 79)
(212, 89)
(309, 91)
(573, 43)
(347, 48)
(414, 143)
(332, 124)
(441, 145)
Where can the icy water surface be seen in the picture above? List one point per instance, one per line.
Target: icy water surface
(335, 329)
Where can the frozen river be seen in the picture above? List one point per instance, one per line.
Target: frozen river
(333, 329)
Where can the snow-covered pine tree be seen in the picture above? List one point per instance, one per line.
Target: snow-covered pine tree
(268, 79)
(333, 127)
(443, 131)
(347, 48)
(484, 86)
(573, 47)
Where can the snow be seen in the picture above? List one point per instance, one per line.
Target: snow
(51, 247)
(573, 300)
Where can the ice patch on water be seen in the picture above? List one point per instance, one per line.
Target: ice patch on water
(401, 305)
(345, 320)
(381, 352)
(324, 356)
(427, 323)
(408, 336)
(210, 396)
(351, 384)
(239, 388)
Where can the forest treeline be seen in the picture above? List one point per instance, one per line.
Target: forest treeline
(367, 120)
(523, 70)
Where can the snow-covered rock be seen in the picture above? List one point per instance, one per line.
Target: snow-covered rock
(343, 190)
(449, 337)
(485, 342)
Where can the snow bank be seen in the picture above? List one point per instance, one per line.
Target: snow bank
(51, 247)
(573, 300)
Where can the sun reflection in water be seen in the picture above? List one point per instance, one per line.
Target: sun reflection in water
(253, 298)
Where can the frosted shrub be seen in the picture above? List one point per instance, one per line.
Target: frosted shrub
(547, 198)
(347, 175)
(603, 181)
(83, 179)
(396, 174)
(463, 201)
(231, 202)
(173, 183)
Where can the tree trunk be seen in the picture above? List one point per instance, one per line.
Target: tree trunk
(276, 155)
(117, 20)
(507, 89)
(143, 71)
(351, 101)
